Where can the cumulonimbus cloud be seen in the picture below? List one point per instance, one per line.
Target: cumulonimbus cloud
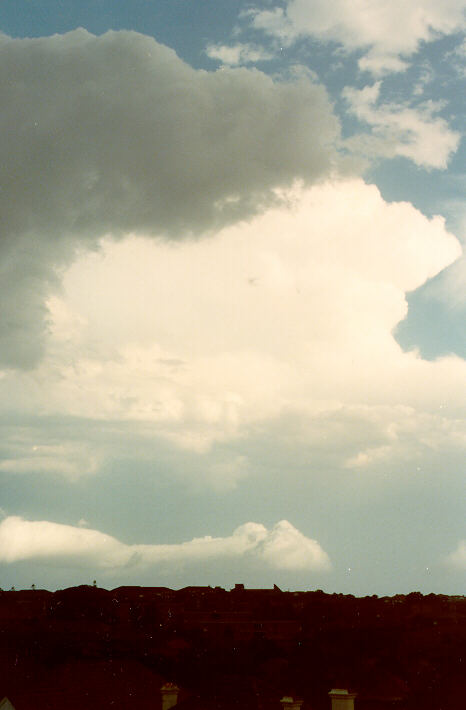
(110, 134)
(283, 547)
(290, 314)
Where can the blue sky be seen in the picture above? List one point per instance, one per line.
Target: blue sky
(232, 294)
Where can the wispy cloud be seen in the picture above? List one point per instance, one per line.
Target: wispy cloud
(456, 59)
(457, 558)
(417, 133)
(236, 54)
(70, 459)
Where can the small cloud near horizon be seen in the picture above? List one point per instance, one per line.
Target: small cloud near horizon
(282, 548)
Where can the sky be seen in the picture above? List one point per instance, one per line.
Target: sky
(232, 294)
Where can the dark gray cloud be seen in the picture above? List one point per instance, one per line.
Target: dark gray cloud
(115, 133)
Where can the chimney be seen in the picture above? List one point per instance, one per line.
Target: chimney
(342, 699)
(290, 703)
(169, 695)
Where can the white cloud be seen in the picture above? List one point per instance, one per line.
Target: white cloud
(416, 133)
(388, 32)
(284, 318)
(282, 547)
(233, 55)
(381, 64)
(115, 133)
(286, 548)
(457, 558)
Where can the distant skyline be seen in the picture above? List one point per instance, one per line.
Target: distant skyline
(232, 294)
